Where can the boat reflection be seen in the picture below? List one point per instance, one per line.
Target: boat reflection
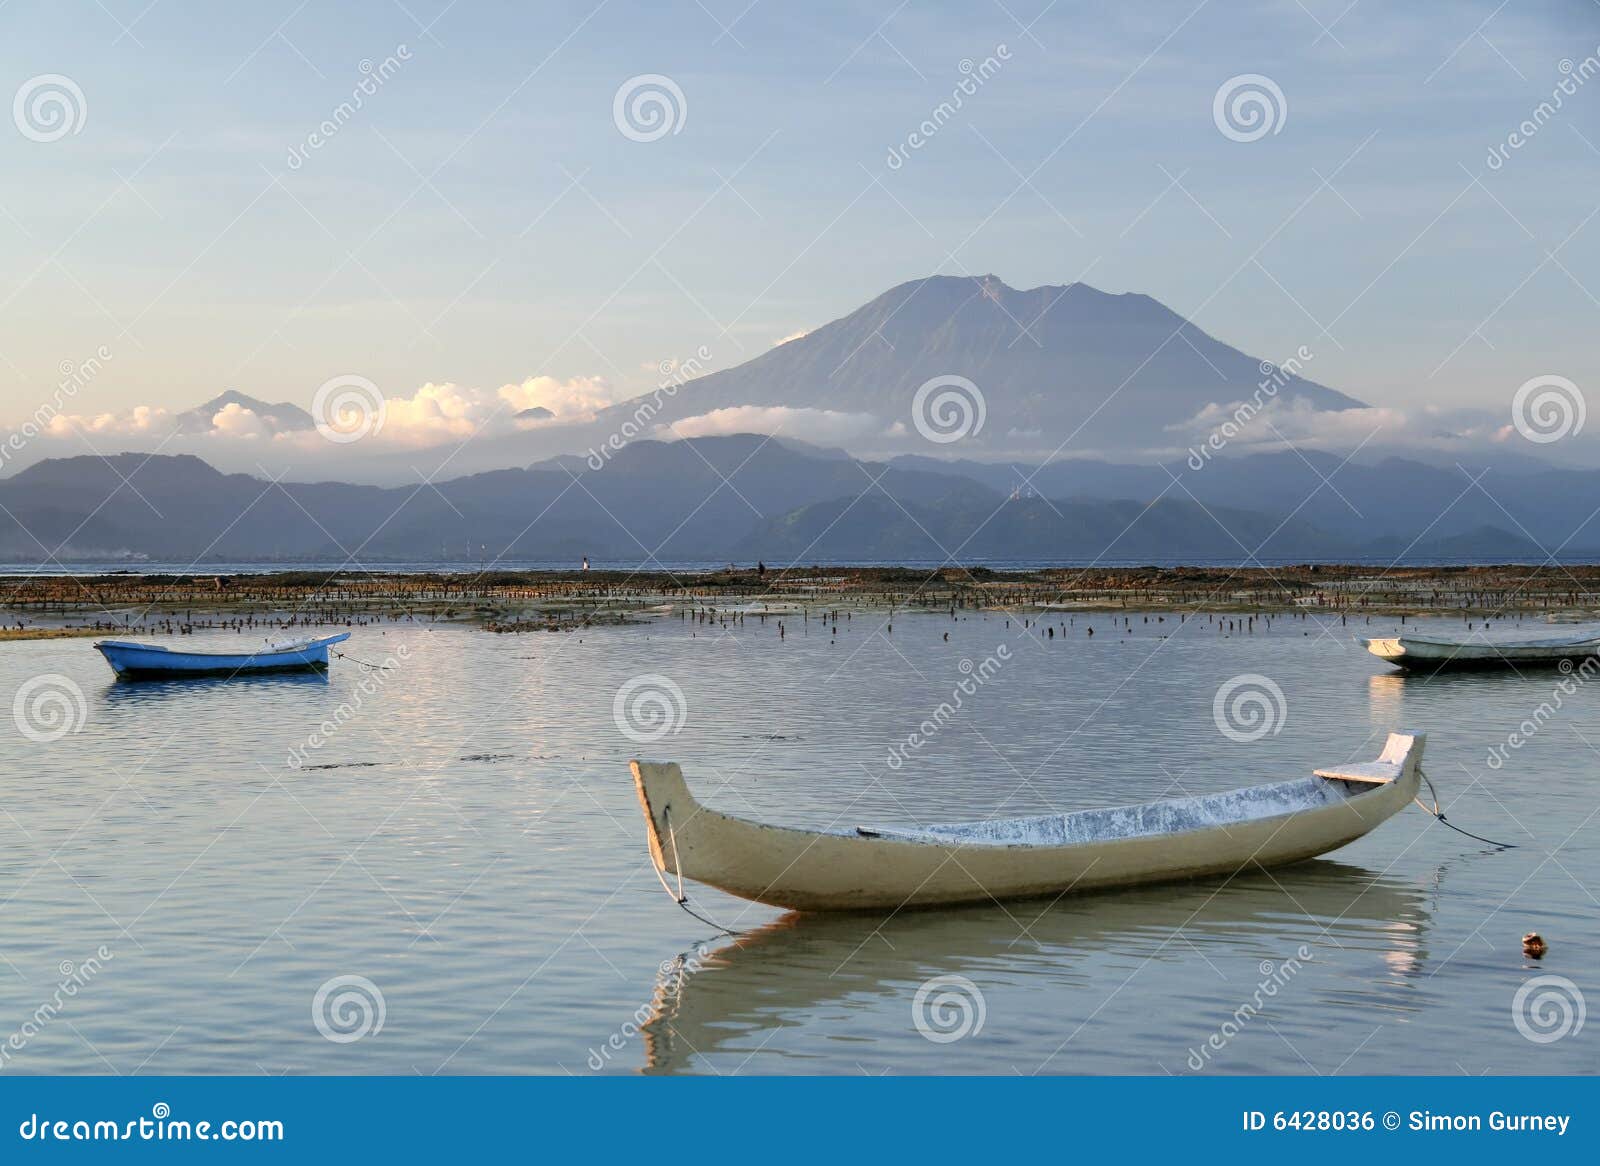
(711, 1000)
(122, 690)
(1458, 679)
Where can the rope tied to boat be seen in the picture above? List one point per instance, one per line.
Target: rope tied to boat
(1439, 814)
(364, 663)
(681, 897)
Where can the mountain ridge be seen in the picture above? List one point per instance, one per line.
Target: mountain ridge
(747, 496)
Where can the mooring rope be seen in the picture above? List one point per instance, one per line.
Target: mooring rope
(1439, 814)
(680, 897)
(363, 663)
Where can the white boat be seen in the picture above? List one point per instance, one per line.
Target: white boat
(1433, 651)
(893, 867)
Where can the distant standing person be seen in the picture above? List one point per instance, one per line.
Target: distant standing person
(585, 562)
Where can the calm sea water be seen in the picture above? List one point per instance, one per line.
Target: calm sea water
(464, 838)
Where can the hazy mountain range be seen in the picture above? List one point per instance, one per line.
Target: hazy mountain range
(1064, 371)
(1060, 371)
(746, 497)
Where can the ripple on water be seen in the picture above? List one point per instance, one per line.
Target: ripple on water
(467, 839)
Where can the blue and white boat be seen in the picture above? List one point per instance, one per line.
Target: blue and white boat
(138, 660)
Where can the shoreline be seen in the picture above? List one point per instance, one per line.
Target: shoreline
(33, 607)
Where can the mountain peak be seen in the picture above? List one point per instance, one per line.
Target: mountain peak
(282, 417)
(1065, 365)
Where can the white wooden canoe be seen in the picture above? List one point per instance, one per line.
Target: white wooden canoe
(885, 867)
(1431, 651)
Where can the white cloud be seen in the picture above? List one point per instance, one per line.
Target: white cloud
(1244, 427)
(140, 420)
(818, 425)
(234, 420)
(578, 397)
(432, 414)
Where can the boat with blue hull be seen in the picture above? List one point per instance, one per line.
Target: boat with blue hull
(133, 660)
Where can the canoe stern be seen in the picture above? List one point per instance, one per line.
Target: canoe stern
(668, 808)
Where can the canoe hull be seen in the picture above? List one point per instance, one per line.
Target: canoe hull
(834, 870)
(1437, 655)
(144, 661)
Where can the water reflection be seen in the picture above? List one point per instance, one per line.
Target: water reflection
(133, 691)
(773, 977)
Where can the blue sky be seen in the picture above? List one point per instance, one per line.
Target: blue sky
(482, 220)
